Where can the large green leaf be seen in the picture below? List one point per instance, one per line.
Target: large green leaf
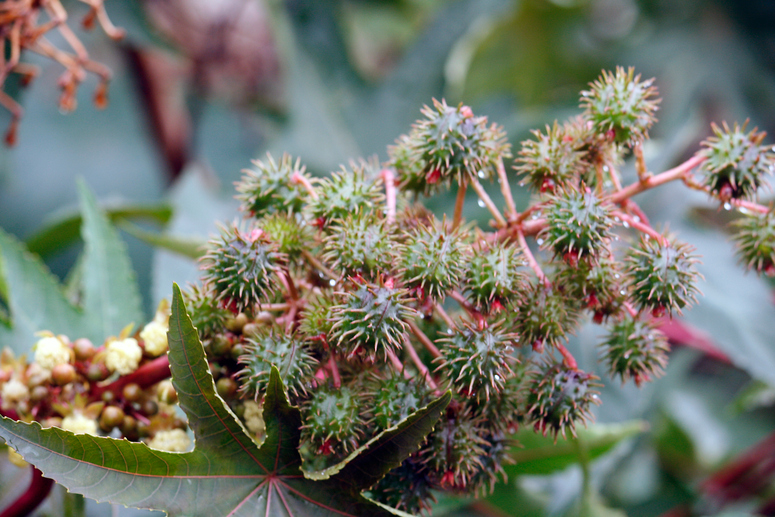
(226, 473)
(537, 454)
(111, 298)
(64, 229)
(35, 301)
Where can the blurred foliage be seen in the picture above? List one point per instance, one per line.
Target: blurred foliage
(329, 80)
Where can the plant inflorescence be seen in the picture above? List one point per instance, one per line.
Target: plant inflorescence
(369, 305)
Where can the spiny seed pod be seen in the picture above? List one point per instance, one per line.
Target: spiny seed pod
(454, 449)
(577, 225)
(496, 454)
(635, 349)
(407, 488)
(332, 420)
(453, 144)
(663, 276)
(542, 317)
(598, 153)
(372, 320)
(344, 193)
(316, 318)
(395, 398)
(239, 266)
(271, 187)
(754, 235)
(494, 277)
(359, 244)
(206, 313)
(411, 176)
(505, 408)
(561, 398)
(287, 353)
(290, 232)
(477, 361)
(597, 286)
(736, 162)
(550, 161)
(621, 105)
(432, 260)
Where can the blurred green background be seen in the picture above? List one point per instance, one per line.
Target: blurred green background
(201, 87)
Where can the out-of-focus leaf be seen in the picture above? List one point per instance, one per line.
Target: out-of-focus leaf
(240, 478)
(34, 299)
(64, 230)
(189, 247)
(540, 455)
(198, 207)
(757, 394)
(111, 299)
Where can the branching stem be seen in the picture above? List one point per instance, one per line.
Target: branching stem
(638, 225)
(459, 202)
(506, 189)
(530, 258)
(500, 222)
(424, 340)
(419, 364)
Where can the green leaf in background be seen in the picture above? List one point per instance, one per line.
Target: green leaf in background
(239, 477)
(34, 299)
(103, 280)
(537, 454)
(64, 230)
(111, 298)
(189, 247)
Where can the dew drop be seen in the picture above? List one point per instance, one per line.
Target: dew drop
(622, 292)
(332, 282)
(480, 203)
(617, 275)
(605, 168)
(636, 218)
(534, 216)
(626, 224)
(540, 241)
(480, 174)
(595, 397)
(627, 355)
(727, 206)
(617, 219)
(616, 237)
(497, 377)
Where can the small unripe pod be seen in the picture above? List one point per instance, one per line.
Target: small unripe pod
(149, 408)
(38, 393)
(237, 323)
(226, 387)
(63, 374)
(84, 349)
(111, 417)
(220, 346)
(166, 392)
(97, 372)
(132, 392)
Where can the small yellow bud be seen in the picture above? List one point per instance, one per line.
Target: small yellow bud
(50, 352)
(123, 356)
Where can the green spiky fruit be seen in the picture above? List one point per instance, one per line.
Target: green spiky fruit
(454, 449)
(478, 361)
(754, 236)
(332, 420)
(290, 232)
(542, 317)
(240, 266)
(635, 349)
(597, 286)
(621, 105)
(395, 398)
(494, 277)
(433, 261)
(407, 488)
(551, 161)
(359, 245)
(662, 276)
(560, 399)
(271, 187)
(288, 354)
(317, 319)
(577, 225)
(409, 170)
(505, 409)
(453, 144)
(371, 321)
(496, 455)
(344, 193)
(736, 162)
(207, 315)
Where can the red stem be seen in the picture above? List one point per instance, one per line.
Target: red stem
(36, 493)
(568, 358)
(147, 375)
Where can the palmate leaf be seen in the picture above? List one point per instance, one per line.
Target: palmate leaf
(35, 299)
(226, 473)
